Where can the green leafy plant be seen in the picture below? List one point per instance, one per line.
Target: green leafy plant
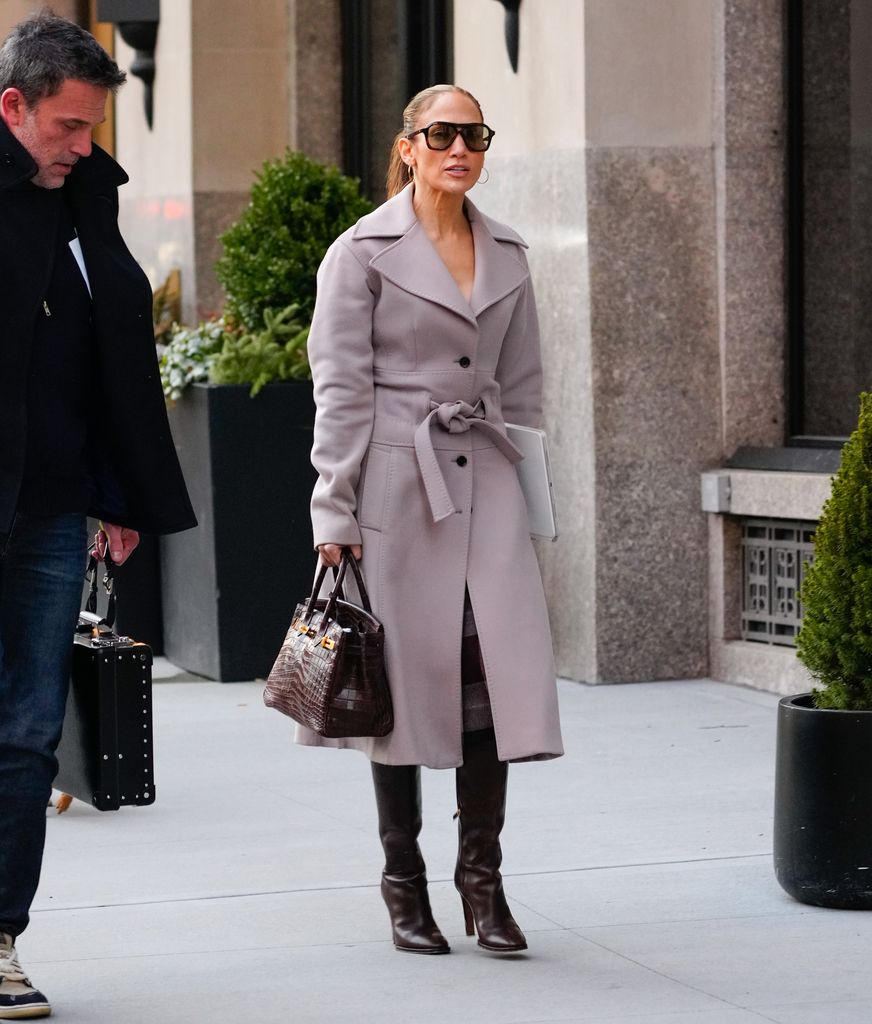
(272, 253)
(189, 354)
(277, 351)
(835, 641)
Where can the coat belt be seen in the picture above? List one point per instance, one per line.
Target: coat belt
(456, 418)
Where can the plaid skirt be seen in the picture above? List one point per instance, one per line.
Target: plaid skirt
(476, 702)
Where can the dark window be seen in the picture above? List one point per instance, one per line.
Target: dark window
(391, 50)
(830, 213)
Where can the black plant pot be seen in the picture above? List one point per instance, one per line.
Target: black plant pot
(823, 805)
(229, 588)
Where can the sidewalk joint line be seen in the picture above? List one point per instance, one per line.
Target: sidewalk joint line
(206, 897)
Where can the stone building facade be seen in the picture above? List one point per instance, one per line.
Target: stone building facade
(691, 176)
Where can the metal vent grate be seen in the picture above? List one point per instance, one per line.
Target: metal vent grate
(775, 553)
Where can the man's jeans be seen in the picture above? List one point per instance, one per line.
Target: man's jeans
(42, 565)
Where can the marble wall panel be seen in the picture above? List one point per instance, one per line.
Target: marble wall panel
(656, 373)
(754, 115)
(315, 79)
(753, 210)
(754, 365)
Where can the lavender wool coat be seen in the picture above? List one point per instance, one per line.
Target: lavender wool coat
(413, 386)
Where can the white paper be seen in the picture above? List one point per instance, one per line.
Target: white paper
(76, 249)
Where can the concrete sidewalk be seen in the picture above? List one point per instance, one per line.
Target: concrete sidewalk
(639, 866)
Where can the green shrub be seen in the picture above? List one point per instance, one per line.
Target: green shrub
(189, 354)
(272, 253)
(275, 352)
(835, 642)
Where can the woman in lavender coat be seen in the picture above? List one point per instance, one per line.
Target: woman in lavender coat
(423, 344)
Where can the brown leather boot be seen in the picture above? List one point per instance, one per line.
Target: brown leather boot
(481, 813)
(404, 880)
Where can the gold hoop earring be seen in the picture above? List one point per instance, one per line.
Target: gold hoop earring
(411, 172)
(481, 180)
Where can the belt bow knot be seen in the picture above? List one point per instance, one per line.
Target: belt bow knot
(455, 418)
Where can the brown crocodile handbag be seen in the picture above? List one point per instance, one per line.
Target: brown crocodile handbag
(330, 673)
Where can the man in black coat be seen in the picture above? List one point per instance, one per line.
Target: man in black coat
(83, 426)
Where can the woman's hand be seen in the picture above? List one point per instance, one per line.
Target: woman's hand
(331, 554)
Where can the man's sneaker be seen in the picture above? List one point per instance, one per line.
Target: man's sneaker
(19, 1000)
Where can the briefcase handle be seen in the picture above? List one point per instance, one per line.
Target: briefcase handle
(108, 585)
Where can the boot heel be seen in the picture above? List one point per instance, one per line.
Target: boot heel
(468, 918)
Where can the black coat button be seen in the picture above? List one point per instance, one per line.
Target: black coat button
(8, 159)
(461, 460)
(464, 361)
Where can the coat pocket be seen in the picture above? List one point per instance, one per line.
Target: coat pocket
(375, 483)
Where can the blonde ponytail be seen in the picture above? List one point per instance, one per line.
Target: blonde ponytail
(399, 172)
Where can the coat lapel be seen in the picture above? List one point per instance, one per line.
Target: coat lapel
(498, 270)
(411, 262)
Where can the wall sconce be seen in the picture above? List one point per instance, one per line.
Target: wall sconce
(513, 30)
(137, 21)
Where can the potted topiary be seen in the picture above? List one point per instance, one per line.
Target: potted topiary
(242, 421)
(823, 788)
(272, 253)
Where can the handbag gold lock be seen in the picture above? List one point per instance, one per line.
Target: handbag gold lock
(327, 643)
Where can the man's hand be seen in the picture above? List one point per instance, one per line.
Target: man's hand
(120, 540)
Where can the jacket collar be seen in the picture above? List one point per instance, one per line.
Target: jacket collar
(411, 262)
(90, 174)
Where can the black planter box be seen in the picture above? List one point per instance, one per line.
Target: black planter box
(823, 805)
(229, 588)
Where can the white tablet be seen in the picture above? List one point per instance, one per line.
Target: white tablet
(534, 474)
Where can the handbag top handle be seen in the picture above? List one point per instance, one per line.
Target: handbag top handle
(336, 591)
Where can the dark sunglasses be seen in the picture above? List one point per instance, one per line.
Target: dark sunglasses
(440, 135)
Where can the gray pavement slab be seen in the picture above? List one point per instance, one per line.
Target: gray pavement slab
(639, 865)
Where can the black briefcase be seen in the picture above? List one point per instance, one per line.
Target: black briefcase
(105, 755)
